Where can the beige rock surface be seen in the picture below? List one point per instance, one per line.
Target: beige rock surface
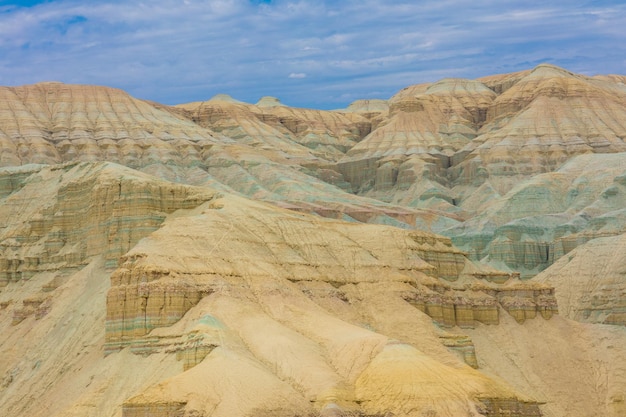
(545, 118)
(591, 281)
(273, 153)
(311, 137)
(56, 218)
(432, 122)
(237, 307)
(542, 219)
(575, 376)
(54, 122)
(156, 287)
(261, 275)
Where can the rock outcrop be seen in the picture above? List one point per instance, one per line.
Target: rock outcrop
(463, 147)
(216, 284)
(545, 118)
(57, 218)
(432, 122)
(263, 274)
(229, 259)
(51, 123)
(542, 219)
(316, 137)
(262, 152)
(591, 282)
(258, 243)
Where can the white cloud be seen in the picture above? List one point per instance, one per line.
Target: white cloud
(176, 51)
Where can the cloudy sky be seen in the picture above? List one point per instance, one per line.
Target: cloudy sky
(308, 53)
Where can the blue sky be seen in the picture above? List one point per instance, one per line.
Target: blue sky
(320, 54)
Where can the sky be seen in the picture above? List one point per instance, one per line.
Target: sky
(315, 54)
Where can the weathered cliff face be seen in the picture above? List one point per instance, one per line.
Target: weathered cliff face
(500, 130)
(51, 123)
(590, 281)
(540, 122)
(56, 218)
(147, 294)
(251, 274)
(213, 288)
(261, 157)
(433, 122)
(518, 129)
(313, 135)
(436, 156)
(542, 219)
(220, 306)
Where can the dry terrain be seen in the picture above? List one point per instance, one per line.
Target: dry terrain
(456, 250)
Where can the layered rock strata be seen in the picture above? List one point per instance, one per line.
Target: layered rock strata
(432, 122)
(232, 307)
(590, 281)
(314, 136)
(542, 219)
(260, 151)
(461, 147)
(237, 307)
(273, 269)
(145, 295)
(59, 217)
(452, 149)
(50, 123)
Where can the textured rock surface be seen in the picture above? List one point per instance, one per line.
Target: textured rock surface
(59, 217)
(431, 122)
(544, 218)
(207, 296)
(541, 121)
(584, 369)
(591, 281)
(465, 147)
(273, 153)
(55, 122)
(258, 243)
(265, 276)
(313, 135)
(224, 306)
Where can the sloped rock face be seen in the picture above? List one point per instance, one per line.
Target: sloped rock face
(263, 313)
(540, 122)
(82, 211)
(544, 218)
(466, 147)
(145, 295)
(434, 122)
(435, 156)
(318, 136)
(248, 266)
(500, 130)
(258, 151)
(51, 123)
(223, 306)
(590, 281)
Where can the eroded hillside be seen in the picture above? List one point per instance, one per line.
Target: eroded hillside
(221, 258)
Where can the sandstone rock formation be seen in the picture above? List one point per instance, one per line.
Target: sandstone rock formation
(85, 210)
(262, 244)
(464, 147)
(266, 152)
(540, 220)
(221, 258)
(214, 288)
(591, 281)
(53, 123)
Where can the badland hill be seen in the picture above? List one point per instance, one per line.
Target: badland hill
(456, 250)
